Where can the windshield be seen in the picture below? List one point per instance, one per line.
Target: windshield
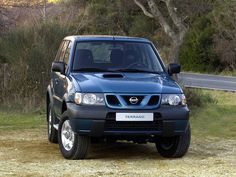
(115, 56)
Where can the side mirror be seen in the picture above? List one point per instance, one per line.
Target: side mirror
(174, 68)
(58, 66)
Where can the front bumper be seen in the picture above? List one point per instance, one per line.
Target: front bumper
(100, 121)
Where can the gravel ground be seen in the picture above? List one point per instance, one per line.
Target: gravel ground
(28, 153)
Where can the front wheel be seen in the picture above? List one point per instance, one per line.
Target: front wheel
(174, 147)
(72, 145)
(52, 132)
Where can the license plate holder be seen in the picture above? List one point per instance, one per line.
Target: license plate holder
(134, 117)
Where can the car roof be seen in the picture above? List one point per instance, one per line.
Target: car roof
(105, 38)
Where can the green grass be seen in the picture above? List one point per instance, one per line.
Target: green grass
(216, 119)
(19, 121)
(228, 73)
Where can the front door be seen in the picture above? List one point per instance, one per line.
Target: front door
(59, 81)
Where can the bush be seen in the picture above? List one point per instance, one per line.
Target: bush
(197, 97)
(225, 40)
(29, 52)
(197, 52)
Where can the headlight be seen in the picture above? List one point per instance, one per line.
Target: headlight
(173, 99)
(89, 98)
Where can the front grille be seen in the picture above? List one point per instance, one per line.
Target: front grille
(127, 99)
(112, 100)
(136, 101)
(112, 125)
(154, 100)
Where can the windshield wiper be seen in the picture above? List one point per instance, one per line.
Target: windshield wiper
(93, 70)
(136, 71)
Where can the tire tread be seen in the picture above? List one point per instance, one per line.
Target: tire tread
(53, 138)
(81, 143)
(180, 148)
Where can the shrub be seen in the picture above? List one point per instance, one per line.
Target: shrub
(197, 52)
(197, 97)
(225, 40)
(29, 51)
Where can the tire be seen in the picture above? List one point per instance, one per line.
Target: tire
(52, 132)
(174, 147)
(72, 145)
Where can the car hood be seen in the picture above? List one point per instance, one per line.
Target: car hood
(125, 83)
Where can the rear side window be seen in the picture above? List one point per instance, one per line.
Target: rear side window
(67, 53)
(63, 51)
(57, 58)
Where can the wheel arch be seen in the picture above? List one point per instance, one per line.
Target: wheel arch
(64, 107)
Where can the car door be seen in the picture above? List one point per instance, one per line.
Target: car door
(62, 81)
(58, 80)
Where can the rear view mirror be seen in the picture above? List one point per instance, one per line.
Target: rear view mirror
(58, 66)
(174, 68)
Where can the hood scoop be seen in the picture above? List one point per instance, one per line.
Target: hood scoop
(112, 75)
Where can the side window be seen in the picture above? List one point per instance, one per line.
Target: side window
(67, 53)
(59, 51)
(63, 50)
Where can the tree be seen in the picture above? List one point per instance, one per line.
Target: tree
(171, 23)
(6, 7)
(224, 17)
(2, 21)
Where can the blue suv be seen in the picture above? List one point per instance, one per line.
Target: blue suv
(109, 88)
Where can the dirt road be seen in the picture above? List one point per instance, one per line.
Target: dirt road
(28, 153)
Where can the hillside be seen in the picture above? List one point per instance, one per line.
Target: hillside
(30, 38)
